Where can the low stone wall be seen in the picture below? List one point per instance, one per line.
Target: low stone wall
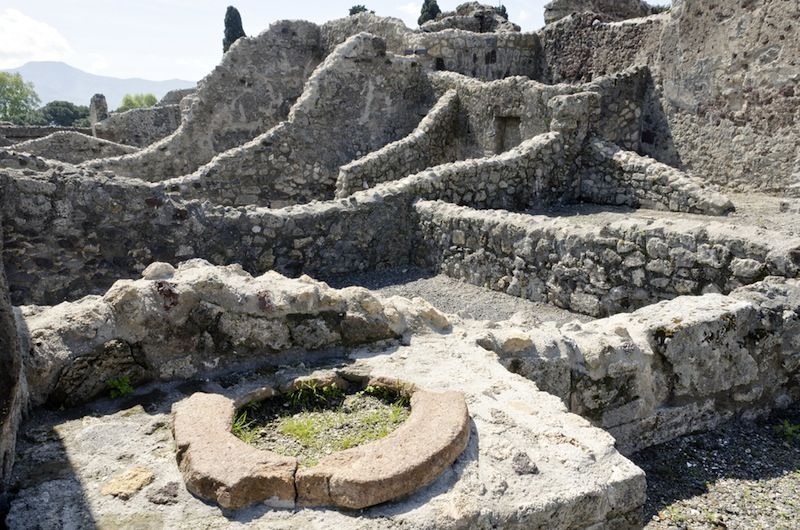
(485, 56)
(139, 127)
(613, 176)
(178, 323)
(669, 369)
(72, 147)
(597, 270)
(23, 133)
(430, 144)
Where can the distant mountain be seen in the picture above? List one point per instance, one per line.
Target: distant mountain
(60, 81)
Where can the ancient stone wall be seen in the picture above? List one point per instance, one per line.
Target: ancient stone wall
(584, 46)
(22, 133)
(611, 9)
(139, 127)
(499, 115)
(724, 96)
(249, 92)
(613, 176)
(432, 143)
(676, 367)
(13, 390)
(72, 147)
(597, 270)
(392, 30)
(356, 102)
(729, 94)
(174, 97)
(485, 56)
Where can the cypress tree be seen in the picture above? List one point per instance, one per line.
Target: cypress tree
(430, 10)
(233, 28)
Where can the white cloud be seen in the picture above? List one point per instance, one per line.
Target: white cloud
(523, 16)
(411, 9)
(24, 39)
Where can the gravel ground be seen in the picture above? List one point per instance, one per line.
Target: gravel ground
(454, 296)
(743, 475)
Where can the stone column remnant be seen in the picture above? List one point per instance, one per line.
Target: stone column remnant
(98, 111)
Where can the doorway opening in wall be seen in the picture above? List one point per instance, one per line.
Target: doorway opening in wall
(507, 133)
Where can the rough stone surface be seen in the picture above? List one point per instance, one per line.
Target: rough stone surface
(72, 147)
(200, 318)
(672, 368)
(613, 9)
(127, 483)
(138, 127)
(582, 482)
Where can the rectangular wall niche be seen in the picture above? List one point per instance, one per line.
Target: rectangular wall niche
(506, 133)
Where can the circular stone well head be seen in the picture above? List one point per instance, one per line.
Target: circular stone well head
(374, 449)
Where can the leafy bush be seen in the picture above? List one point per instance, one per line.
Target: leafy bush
(18, 100)
(790, 431)
(137, 101)
(120, 387)
(65, 114)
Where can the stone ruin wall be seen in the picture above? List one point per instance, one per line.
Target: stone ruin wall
(432, 143)
(139, 127)
(668, 369)
(72, 147)
(299, 160)
(722, 88)
(597, 270)
(230, 103)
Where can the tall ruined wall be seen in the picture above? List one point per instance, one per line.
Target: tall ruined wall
(357, 101)
(497, 116)
(249, 92)
(724, 100)
(584, 46)
(597, 270)
(140, 127)
(13, 390)
(432, 143)
(730, 92)
(72, 147)
(611, 9)
(485, 56)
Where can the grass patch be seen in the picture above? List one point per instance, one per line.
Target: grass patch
(120, 387)
(314, 421)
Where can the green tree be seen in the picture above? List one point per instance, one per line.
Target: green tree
(233, 28)
(356, 9)
(64, 113)
(430, 10)
(137, 101)
(503, 11)
(18, 99)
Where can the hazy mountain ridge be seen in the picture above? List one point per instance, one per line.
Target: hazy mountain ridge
(60, 81)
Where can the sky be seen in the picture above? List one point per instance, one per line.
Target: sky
(172, 39)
